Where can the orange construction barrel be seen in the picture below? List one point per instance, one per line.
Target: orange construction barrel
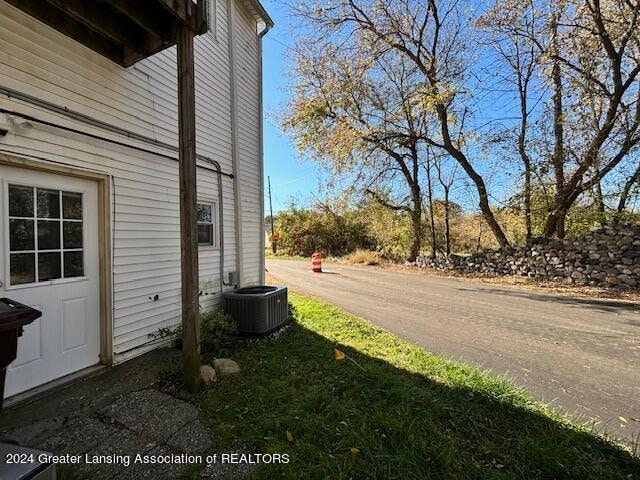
(316, 262)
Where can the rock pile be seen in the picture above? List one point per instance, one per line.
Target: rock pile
(607, 257)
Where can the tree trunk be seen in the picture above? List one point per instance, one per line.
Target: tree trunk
(479, 244)
(626, 190)
(490, 218)
(416, 197)
(555, 224)
(527, 177)
(416, 227)
(527, 202)
(556, 219)
(431, 214)
(524, 156)
(475, 177)
(600, 202)
(447, 230)
(561, 220)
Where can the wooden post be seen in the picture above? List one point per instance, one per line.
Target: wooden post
(188, 210)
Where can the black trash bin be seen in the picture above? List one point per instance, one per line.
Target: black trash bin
(13, 317)
(27, 464)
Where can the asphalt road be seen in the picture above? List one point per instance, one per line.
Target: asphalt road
(581, 356)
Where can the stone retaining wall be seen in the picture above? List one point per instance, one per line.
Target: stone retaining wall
(606, 257)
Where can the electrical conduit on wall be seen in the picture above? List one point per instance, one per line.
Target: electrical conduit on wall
(87, 120)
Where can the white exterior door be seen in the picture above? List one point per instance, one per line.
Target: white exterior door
(49, 260)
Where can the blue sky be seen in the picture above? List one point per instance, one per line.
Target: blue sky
(290, 177)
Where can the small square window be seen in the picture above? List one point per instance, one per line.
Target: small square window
(23, 268)
(20, 201)
(72, 234)
(72, 206)
(204, 213)
(48, 266)
(48, 235)
(73, 264)
(206, 222)
(48, 203)
(21, 234)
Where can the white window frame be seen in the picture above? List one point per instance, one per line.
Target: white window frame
(214, 222)
(7, 248)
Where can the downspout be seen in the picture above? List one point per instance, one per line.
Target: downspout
(262, 33)
(234, 140)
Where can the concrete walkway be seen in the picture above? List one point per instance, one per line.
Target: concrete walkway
(110, 418)
(580, 355)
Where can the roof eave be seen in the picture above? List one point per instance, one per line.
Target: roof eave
(259, 13)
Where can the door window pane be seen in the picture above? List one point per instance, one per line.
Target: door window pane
(20, 201)
(21, 235)
(72, 235)
(22, 268)
(48, 235)
(48, 203)
(72, 206)
(73, 264)
(54, 245)
(48, 266)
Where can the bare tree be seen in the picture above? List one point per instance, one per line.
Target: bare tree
(359, 115)
(428, 165)
(446, 179)
(581, 56)
(521, 57)
(556, 223)
(590, 57)
(431, 35)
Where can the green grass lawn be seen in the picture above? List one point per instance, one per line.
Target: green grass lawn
(402, 413)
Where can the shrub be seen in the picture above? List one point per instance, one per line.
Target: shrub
(303, 231)
(364, 257)
(217, 333)
(291, 311)
(391, 230)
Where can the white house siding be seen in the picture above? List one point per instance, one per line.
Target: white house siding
(248, 145)
(37, 60)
